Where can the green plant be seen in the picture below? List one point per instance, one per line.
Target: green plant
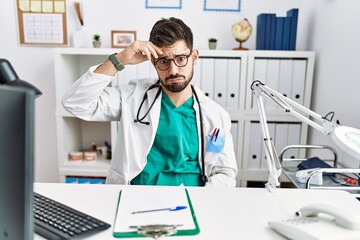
(212, 40)
(97, 37)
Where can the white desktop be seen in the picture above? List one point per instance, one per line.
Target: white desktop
(222, 213)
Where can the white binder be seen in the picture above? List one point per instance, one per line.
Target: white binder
(255, 146)
(272, 80)
(298, 86)
(234, 133)
(207, 76)
(220, 80)
(285, 77)
(233, 83)
(259, 74)
(293, 138)
(281, 136)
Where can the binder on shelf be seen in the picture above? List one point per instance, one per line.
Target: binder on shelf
(220, 74)
(133, 211)
(269, 31)
(272, 31)
(281, 136)
(260, 66)
(233, 83)
(294, 130)
(285, 77)
(261, 31)
(298, 80)
(255, 146)
(272, 80)
(207, 76)
(279, 33)
(234, 133)
(286, 33)
(293, 14)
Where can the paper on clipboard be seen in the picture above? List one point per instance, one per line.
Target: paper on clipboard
(147, 198)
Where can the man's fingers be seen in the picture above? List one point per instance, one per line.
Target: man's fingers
(146, 52)
(155, 50)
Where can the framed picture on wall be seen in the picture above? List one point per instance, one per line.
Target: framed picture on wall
(122, 39)
(222, 5)
(164, 4)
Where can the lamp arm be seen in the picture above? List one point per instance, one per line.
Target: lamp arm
(272, 159)
(306, 115)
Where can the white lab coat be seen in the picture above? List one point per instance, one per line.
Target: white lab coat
(90, 98)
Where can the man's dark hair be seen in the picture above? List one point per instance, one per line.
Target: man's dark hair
(166, 32)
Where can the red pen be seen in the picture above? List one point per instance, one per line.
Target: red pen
(213, 134)
(217, 134)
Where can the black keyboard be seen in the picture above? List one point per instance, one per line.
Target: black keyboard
(54, 220)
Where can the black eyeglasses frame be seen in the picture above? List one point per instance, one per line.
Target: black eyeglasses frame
(173, 60)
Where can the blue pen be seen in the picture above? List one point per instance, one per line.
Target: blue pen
(217, 134)
(177, 208)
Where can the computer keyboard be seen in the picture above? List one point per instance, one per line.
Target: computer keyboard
(54, 220)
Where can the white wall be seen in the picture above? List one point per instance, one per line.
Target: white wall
(335, 36)
(320, 22)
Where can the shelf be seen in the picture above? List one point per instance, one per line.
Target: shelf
(82, 168)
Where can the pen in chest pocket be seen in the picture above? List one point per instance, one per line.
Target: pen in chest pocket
(215, 134)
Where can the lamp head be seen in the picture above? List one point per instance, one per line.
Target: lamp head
(8, 76)
(348, 139)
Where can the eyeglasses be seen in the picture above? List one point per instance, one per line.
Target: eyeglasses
(180, 60)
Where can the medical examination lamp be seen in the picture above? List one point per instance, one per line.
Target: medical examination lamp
(347, 138)
(9, 77)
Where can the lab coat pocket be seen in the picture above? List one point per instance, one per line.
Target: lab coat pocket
(215, 146)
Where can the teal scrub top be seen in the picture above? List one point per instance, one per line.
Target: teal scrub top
(173, 158)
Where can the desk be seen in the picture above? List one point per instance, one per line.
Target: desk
(222, 213)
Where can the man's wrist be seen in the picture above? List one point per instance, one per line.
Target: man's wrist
(116, 62)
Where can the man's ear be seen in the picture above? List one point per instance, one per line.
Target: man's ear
(195, 55)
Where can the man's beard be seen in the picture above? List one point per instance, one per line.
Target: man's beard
(177, 87)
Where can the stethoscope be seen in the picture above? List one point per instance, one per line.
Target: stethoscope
(140, 120)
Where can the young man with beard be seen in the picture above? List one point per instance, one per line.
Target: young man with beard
(170, 133)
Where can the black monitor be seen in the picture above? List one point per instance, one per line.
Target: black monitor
(16, 162)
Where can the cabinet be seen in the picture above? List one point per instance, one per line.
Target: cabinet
(223, 75)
